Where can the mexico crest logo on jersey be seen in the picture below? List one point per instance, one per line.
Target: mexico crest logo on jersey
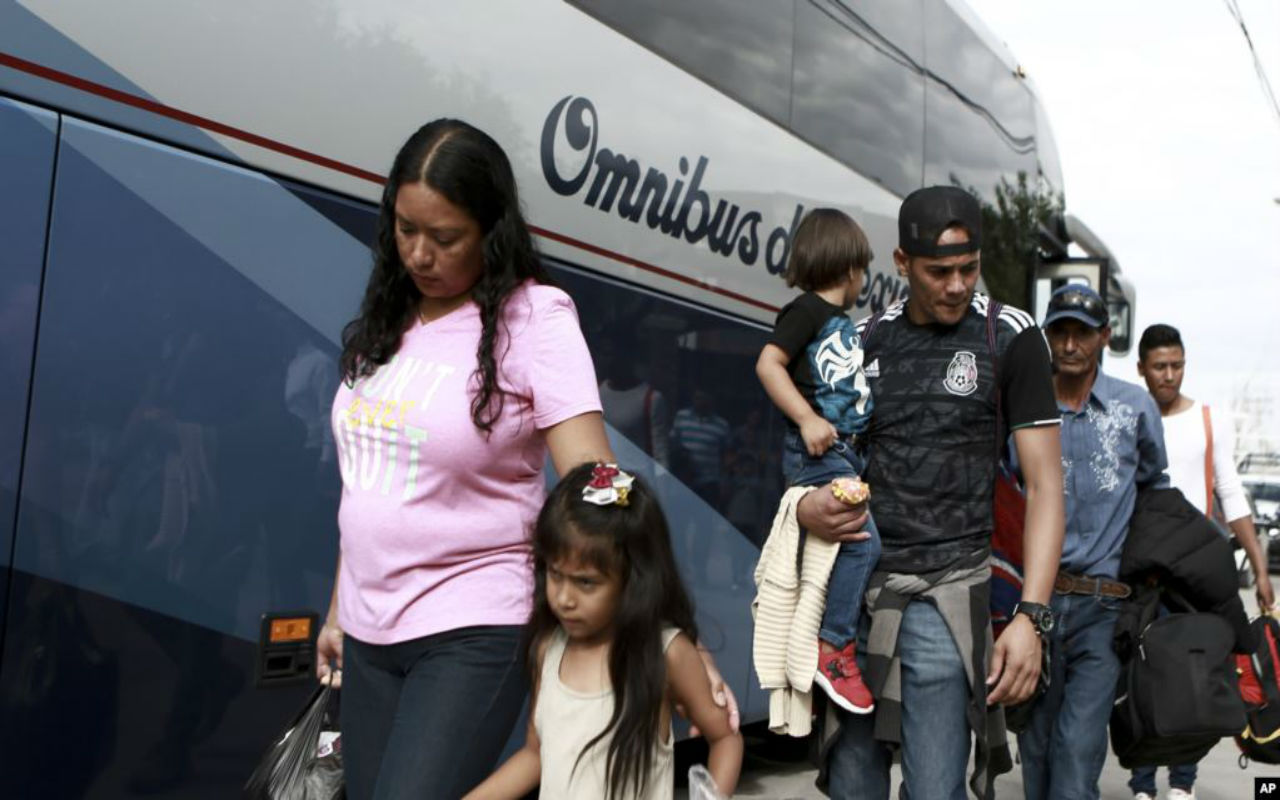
(962, 374)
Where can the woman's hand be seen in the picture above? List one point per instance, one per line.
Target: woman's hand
(687, 670)
(329, 655)
(720, 692)
(826, 516)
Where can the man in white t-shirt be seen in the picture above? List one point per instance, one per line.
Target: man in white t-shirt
(1201, 449)
(634, 408)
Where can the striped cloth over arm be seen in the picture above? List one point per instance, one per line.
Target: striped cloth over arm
(791, 593)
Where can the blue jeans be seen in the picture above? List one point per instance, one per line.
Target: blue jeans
(936, 739)
(1064, 746)
(851, 572)
(1182, 776)
(429, 717)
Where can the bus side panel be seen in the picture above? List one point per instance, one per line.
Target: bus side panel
(182, 475)
(180, 478)
(28, 139)
(32, 37)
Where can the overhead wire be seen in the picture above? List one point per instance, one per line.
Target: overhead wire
(1234, 7)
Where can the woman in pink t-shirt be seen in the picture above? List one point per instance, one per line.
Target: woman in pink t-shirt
(464, 369)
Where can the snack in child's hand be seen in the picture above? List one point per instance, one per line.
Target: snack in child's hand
(851, 491)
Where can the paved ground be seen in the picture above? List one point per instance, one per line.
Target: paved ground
(1220, 779)
(781, 773)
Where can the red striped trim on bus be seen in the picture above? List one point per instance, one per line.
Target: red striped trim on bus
(213, 126)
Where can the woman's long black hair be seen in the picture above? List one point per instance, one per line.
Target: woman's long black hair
(470, 169)
(631, 542)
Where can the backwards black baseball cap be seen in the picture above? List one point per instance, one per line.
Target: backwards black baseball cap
(927, 212)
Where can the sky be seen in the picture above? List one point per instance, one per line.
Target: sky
(1171, 154)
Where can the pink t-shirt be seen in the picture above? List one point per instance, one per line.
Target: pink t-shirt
(435, 518)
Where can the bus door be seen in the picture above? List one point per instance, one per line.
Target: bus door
(28, 143)
(1100, 274)
(1051, 276)
(1098, 269)
(177, 477)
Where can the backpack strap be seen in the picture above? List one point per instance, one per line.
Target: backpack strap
(1208, 463)
(994, 307)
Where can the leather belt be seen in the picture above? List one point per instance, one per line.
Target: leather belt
(1081, 584)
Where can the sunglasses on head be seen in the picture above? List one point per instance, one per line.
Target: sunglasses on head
(1076, 299)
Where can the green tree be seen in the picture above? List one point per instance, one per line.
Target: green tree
(1011, 237)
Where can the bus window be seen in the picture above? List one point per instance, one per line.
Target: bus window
(742, 49)
(858, 91)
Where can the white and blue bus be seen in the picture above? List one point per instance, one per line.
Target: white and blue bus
(187, 196)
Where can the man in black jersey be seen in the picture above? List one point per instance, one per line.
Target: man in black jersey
(950, 374)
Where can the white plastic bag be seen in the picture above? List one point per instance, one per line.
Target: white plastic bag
(701, 785)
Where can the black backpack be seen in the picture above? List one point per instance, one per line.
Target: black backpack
(1259, 683)
(1177, 693)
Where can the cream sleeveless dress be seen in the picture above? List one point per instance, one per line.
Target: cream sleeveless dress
(566, 720)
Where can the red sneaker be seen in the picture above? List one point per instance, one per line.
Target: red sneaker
(840, 678)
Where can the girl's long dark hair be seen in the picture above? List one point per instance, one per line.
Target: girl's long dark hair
(470, 169)
(631, 542)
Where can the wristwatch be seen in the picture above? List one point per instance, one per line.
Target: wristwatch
(1041, 616)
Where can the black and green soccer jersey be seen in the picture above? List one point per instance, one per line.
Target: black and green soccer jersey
(932, 440)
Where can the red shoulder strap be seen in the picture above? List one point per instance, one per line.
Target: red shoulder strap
(1208, 463)
(994, 307)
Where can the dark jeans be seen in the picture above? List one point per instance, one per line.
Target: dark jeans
(429, 717)
(936, 738)
(1064, 746)
(1182, 776)
(855, 562)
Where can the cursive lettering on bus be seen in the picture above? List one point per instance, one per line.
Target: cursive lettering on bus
(879, 291)
(675, 205)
